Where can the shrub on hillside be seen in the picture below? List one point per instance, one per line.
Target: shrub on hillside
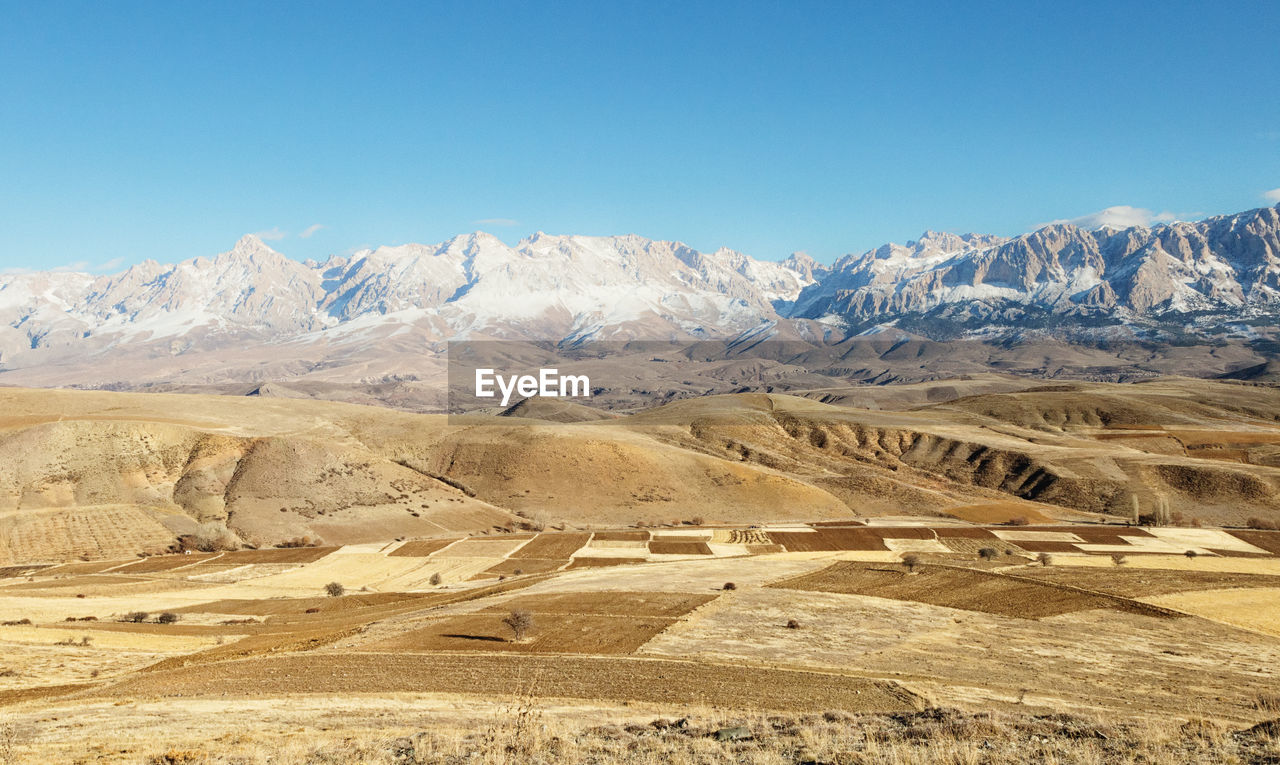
(1119, 559)
(214, 537)
(911, 562)
(729, 586)
(988, 553)
(1262, 524)
(1044, 558)
(136, 617)
(334, 589)
(520, 623)
(168, 617)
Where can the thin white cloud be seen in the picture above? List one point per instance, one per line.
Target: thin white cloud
(504, 222)
(273, 234)
(310, 231)
(77, 267)
(1272, 196)
(1119, 216)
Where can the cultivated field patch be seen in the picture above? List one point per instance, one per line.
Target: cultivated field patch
(582, 677)
(519, 566)
(1255, 609)
(676, 546)
(954, 588)
(164, 563)
(1142, 583)
(666, 604)
(552, 546)
(829, 540)
(551, 633)
(420, 548)
(620, 536)
(481, 548)
(96, 532)
(602, 562)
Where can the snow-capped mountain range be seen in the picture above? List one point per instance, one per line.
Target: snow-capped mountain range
(254, 314)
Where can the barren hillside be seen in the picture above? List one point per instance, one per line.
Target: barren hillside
(91, 474)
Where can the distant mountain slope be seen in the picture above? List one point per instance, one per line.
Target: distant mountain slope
(383, 316)
(1217, 270)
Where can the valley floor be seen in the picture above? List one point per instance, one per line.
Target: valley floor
(833, 643)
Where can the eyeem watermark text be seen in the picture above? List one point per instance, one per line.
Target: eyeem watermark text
(548, 383)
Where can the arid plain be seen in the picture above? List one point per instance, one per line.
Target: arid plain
(982, 570)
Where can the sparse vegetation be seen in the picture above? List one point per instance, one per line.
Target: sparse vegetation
(988, 553)
(1262, 524)
(520, 732)
(1191, 553)
(334, 589)
(168, 617)
(792, 624)
(1119, 559)
(16, 622)
(9, 740)
(729, 586)
(911, 562)
(520, 623)
(1020, 520)
(1267, 702)
(213, 537)
(135, 617)
(435, 579)
(1044, 559)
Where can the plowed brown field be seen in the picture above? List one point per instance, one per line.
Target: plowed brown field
(551, 633)
(581, 677)
(552, 546)
(678, 547)
(420, 548)
(663, 604)
(829, 540)
(1147, 582)
(957, 588)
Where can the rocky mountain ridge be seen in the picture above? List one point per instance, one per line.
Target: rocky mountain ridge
(254, 315)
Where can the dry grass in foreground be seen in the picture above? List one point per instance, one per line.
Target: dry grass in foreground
(520, 734)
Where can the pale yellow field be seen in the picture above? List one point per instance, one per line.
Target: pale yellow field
(1266, 566)
(1254, 609)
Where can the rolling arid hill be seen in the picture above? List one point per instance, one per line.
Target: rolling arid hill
(96, 475)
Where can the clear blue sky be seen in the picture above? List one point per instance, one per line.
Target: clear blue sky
(168, 129)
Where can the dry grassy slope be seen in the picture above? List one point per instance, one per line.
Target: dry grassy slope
(272, 470)
(136, 469)
(1050, 446)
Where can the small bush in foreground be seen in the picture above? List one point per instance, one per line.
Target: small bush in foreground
(730, 586)
(1044, 559)
(334, 589)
